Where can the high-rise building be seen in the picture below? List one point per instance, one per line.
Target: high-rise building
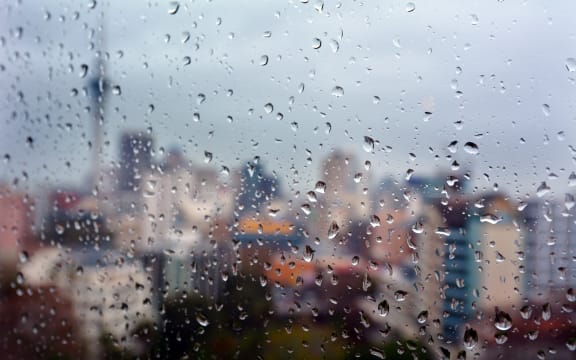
(256, 187)
(135, 159)
(446, 268)
(549, 247)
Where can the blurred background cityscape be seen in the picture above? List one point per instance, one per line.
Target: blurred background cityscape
(169, 258)
(146, 214)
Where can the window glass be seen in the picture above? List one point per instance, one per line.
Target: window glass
(287, 179)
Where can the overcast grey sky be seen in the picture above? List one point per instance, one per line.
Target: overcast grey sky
(489, 65)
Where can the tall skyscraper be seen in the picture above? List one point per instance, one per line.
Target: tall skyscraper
(135, 159)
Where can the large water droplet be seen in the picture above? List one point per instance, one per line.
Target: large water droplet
(453, 146)
(333, 230)
(526, 312)
(502, 321)
(471, 148)
(490, 219)
(470, 338)
(422, 317)
(368, 144)
(320, 187)
(308, 253)
(542, 189)
(377, 353)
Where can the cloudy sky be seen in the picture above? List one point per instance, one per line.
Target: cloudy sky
(500, 74)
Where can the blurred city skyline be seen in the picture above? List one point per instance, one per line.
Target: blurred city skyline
(201, 78)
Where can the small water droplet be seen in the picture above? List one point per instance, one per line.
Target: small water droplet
(337, 91)
(377, 353)
(202, 319)
(474, 20)
(334, 45)
(443, 230)
(207, 157)
(200, 98)
(546, 109)
(173, 8)
(316, 43)
(572, 179)
(500, 338)
(400, 295)
(383, 308)
(116, 90)
(571, 64)
(546, 312)
(23, 257)
(422, 317)
(410, 7)
(301, 88)
(83, 70)
(308, 253)
(268, 108)
(571, 295)
(333, 230)
(263, 60)
(355, 260)
(59, 229)
(418, 228)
